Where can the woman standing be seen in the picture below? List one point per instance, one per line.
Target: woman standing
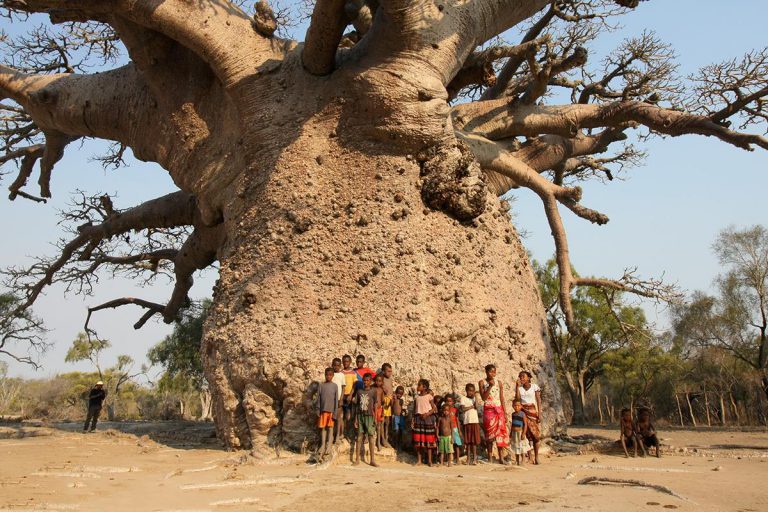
(529, 395)
(494, 413)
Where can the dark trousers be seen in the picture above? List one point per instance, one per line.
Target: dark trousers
(93, 417)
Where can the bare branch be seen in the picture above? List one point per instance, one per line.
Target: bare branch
(501, 118)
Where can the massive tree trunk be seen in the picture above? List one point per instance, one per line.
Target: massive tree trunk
(348, 259)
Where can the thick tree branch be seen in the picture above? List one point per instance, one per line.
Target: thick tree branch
(217, 31)
(501, 118)
(494, 157)
(323, 36)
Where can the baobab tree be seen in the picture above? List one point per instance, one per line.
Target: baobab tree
(348, 185)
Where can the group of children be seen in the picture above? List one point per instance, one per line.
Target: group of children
(638, 433)
(365, 405)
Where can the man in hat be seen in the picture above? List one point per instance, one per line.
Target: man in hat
(95, 399)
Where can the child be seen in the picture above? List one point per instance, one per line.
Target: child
(471, 423)
(423, 422)
(340, 381)
(445, 431)
(379, 385)
(388, 387)
(398, 417)
(519, 429)
(455, 432)
(366, 400)
(350, 377)
(646, 434)
(628, 431)
(327, 406)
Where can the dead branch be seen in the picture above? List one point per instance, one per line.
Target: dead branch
(151, 307)
(595, 480)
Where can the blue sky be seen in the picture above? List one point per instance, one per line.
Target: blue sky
(664, 217)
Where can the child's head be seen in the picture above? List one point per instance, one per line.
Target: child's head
(517, 405)
(490, 371)
(336, 364)
(386, 370)
(422, 386)
(525, 377)
(328, 374)
(399, 392)
(379, 380)
(449, 400)
(367, 380)
(644, 414)
(445, 410)
(470, 388)
(346, 361)
(360, 361)
(626, 413)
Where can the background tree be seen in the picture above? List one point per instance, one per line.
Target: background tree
(736, 318)
(115, 378)
(179, 355)
(350, 202)
(608, 329)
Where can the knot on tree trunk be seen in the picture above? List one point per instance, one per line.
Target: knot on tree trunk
(453, 181)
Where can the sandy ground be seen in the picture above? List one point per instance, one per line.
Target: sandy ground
(179, 468)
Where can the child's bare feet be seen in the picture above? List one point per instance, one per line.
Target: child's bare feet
(356, 463)
(374, 464)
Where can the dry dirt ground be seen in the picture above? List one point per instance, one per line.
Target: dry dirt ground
(178, 467)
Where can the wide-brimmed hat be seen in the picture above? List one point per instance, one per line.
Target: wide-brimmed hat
(99, 383)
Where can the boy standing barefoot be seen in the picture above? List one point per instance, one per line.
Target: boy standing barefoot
(327, 406)
(398, 417)
(471, 423)
(445, 432)
(519, 429)
(365, 423)
(341, 382)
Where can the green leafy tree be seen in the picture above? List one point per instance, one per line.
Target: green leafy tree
(179, 354)
(87, 348)
(605, 325)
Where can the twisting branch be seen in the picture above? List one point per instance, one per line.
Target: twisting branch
(513, 64)
(494, 157)
(151, 307)
(177, 209)
(478, 68)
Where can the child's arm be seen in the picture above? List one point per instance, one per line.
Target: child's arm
(525, 427)
(501, 399)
